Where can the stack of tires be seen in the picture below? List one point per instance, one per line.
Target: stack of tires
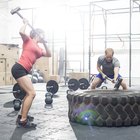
(104, 107)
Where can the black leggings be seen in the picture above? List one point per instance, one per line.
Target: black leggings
(18, 71)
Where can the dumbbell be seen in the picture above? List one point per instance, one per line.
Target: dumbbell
(52, 88)
(74, 84)
(17, 104)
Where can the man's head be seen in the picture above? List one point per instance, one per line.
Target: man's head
(109, 52)
(37, 34)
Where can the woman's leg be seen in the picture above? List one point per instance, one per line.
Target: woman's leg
(26, 84)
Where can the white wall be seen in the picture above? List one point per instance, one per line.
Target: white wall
(4, 21)
(57, 19)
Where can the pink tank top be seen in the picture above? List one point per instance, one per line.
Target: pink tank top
(30, 53)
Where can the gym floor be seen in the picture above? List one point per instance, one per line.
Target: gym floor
(52, 121)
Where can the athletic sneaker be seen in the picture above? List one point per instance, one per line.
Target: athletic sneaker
(26, 124)
(29, 117)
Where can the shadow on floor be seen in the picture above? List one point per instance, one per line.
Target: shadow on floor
(84, 132)
(8, 104)
(13, 114)
(19, 132)
(79, 129)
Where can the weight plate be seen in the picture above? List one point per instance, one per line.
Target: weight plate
(52, 86)
(83, 83)
(20, 94)
(104, 87)
(73, 84)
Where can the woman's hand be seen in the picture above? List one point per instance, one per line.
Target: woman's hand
(25, 21)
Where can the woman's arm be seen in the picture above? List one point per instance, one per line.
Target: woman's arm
(22, 31)
(46, 51)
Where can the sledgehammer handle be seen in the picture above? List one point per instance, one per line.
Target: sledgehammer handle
(16, 11)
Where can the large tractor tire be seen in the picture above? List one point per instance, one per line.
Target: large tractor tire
(104, 107)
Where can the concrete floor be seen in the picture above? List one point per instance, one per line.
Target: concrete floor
(53, 123)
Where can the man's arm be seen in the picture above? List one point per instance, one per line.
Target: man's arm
(99, 64)
(100, 71)
(116, 69)
(116, 72)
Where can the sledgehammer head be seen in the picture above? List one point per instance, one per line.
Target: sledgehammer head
(118, 83)
(13, 11)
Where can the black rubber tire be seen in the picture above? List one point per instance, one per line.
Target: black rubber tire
(104, 107)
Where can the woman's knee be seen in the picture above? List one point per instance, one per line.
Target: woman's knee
(31, 94)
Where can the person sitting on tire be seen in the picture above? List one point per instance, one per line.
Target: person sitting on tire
(108, 66)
